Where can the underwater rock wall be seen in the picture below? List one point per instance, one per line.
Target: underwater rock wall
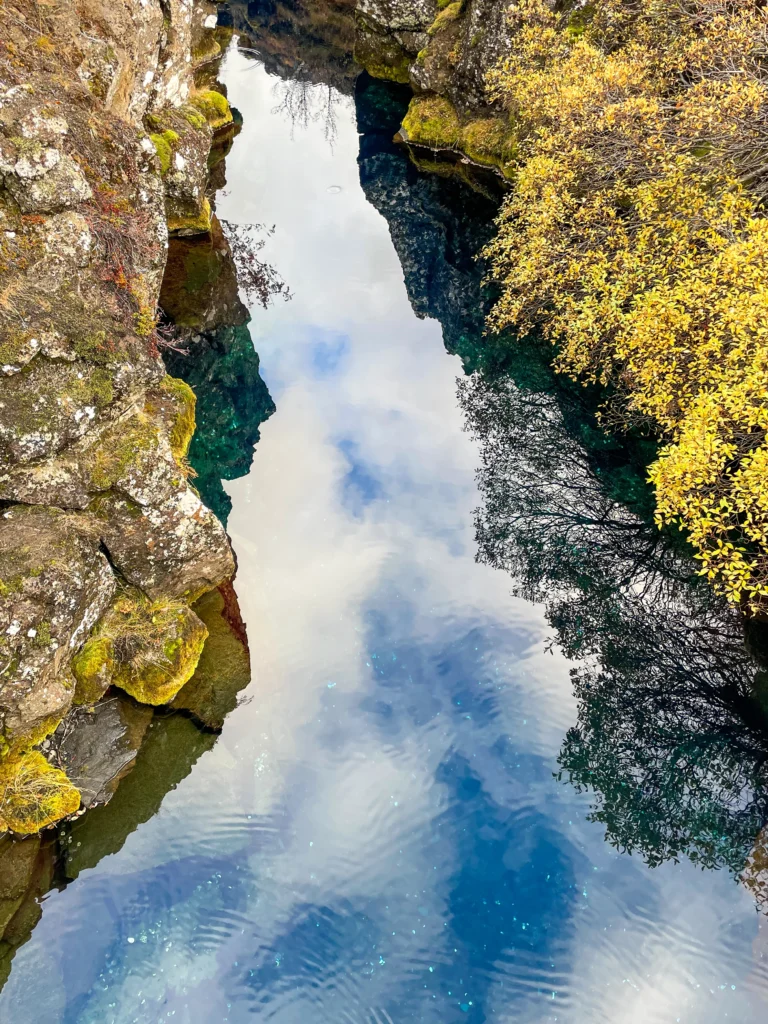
(107, 120)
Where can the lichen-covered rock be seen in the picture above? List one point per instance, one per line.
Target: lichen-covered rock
(60, 185)
(174, 549)
(33, 794)
(182, 139)
(453, 47)
(104, 142)
(55, 583)
(399, 15)
(138, 449)
(49, 405)
(381, 53)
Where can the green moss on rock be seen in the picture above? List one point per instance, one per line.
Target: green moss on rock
(93, 668)
(207, 49)
(183, 428)
(193, 117)
(164, 143)
(198, 223)
(490, 141)
(149, 648)
(213, 106)
(23, 742)
(433, 122)
(34, 794)
(448, 13)
(382, 57)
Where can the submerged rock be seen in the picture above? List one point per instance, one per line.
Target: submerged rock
(170, 750)
(97, 746)
(224, 668)
(200, 291)
(232, 402)
(26, 874)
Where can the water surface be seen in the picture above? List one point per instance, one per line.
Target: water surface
(378, 836)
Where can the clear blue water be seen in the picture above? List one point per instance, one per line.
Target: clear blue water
(378, 835)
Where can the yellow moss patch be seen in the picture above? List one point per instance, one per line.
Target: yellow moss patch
(207, 49)
(490, 141)
(213, 106)
(192, 116)
(184, 401)
(34, 794)
(449, 12)
(194, 224)
(432, 121)
(22, 743)
(164, 143)
(149, 648)
(93, 667)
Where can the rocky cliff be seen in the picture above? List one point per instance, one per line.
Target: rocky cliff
(107, 120)
(443, 50)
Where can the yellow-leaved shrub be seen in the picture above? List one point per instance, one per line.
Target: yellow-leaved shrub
(636, 239)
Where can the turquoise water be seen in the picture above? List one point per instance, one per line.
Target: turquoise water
(379, 836)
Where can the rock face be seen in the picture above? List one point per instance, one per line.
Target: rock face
(449, 47)
(444, 52)
(56, 584)
(105, 139)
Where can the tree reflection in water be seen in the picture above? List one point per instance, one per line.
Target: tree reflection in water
(671, 737)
